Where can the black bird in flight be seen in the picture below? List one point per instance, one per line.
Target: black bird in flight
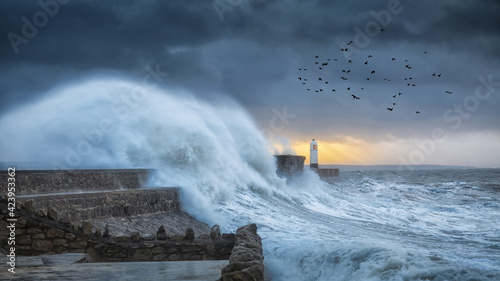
(394, 96)
(323, 64)
(316, 56)
(321, 90)
(439, 75)
(390, 109)
(333, 90)
(393, 59)
(348, 88)
(349, 61)
(300, 78)
(319, 79)
(366, 62)
(370, 56)
(418, 112)
(449, 92)
(373, 71)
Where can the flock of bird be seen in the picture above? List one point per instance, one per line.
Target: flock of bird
(322, 81)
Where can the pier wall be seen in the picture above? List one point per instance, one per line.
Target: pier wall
(31, 182)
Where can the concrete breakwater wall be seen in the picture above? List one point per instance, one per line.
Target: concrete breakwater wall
(96, 205)
(289, 166)
(30, 182)
(96, 212)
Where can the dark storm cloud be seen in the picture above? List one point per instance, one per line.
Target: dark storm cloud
(252, 54)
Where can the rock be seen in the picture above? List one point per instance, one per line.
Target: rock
(70, 236)
(29, 206)
(142, 255)
(189, 236)
(51, 233)
(97, 232)
(42, 245)
(215, 232)
(39, 236)
(52, 213)
(41, 213)
(247, 259)
(87, 227)
(148, 237)
(106, 232)
(161, 234)
(135, 236)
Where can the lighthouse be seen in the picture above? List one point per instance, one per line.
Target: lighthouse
(313, 160)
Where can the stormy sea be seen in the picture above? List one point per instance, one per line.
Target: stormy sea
(378, 225)
(370, 225)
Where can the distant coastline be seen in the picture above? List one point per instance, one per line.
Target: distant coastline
(346, 168)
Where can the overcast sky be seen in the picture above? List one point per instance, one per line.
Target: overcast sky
(251, 50)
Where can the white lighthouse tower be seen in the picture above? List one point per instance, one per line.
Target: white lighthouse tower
(313, 160)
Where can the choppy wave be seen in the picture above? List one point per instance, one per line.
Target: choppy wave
(372, 225)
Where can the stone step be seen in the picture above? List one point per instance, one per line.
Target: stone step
(95, 205)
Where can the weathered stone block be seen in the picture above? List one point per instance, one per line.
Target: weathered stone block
(24, 240)
(51, 233)
(29, 206)
(143, 255)
(69, 236)
(41, 213)
(158, 250)
(135, 236)
(44, 225)
(189, 236)
(215, 232)
(39, 236)
(52, 213)
(34, 230)
(161, 234)
(42, 245)
(60, 242)
(87, 227)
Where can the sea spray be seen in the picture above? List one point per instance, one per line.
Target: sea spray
(378, 225)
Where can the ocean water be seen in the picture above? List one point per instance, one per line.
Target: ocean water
(371, 225)
(380, 225)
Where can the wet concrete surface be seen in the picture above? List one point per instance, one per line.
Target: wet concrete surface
(64, 267)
